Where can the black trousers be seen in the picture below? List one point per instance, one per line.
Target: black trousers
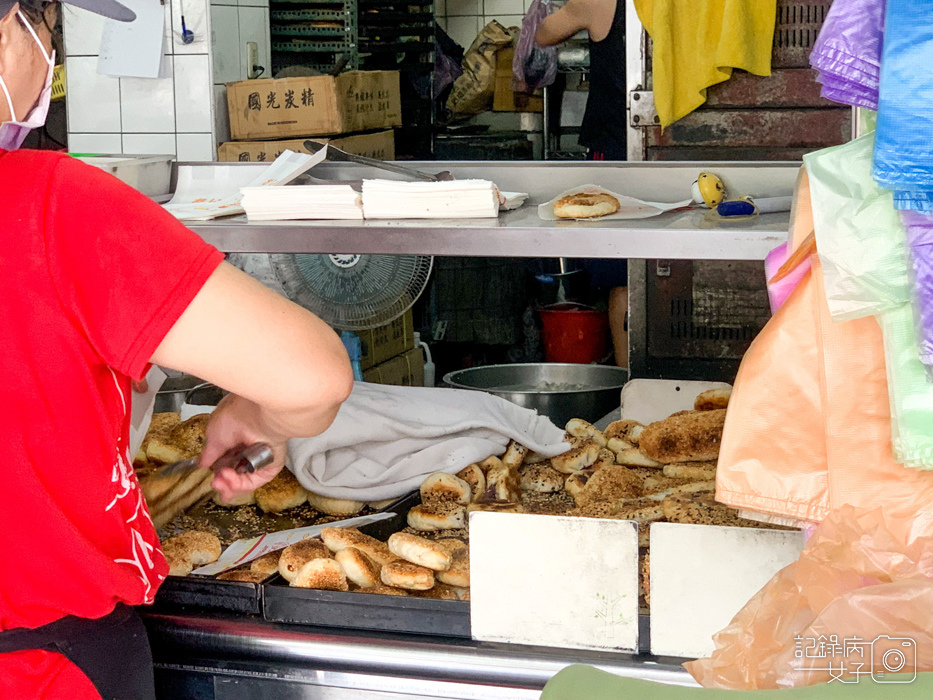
(113, 651)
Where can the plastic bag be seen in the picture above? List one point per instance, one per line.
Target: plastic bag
(859, 235)
(809, 425)
(473, 91)
(854, 580)
(847, 52)
(920, 243)
(904, 141)
(533, 66)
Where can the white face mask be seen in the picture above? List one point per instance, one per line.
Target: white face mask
(13, 132)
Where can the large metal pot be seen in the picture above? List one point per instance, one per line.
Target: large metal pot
(558, 391)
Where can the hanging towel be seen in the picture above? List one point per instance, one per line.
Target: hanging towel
(386, 439)
(697, 43)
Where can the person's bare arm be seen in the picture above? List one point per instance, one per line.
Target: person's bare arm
(573, 17)
(287, 369)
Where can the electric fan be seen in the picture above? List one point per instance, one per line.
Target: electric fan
(353, 292)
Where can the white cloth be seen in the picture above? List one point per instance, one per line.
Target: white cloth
(386, 439)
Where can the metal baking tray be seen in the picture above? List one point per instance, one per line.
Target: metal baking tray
(182, 593)
(366, 611)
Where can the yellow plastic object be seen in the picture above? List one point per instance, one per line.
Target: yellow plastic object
(709, 189)
(58, 82)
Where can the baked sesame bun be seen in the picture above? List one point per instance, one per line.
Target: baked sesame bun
(586, 206)
(282, 493)
(297, 555)
(323, 574)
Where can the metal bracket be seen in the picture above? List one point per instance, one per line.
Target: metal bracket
(641, 108)
(663, 268)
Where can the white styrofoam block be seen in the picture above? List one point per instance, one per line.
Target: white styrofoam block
(196, 20)
(93, 99)
(221, 114)
(702, 575)
(95, 143)
(196, 147)
(254, 26)
(194, 94)
(147, 105)
(463, 30)
(225, 44)
(149, 144)
(494, 8)
(650, 400)
(81, 31)
(554, 581)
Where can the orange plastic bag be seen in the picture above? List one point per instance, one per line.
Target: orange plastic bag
(857, 603)
(809, 422)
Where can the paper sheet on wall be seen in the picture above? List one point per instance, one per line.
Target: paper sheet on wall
(134, 49)
(205, 193)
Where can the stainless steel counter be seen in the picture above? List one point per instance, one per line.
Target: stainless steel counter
(688, 235)
(250, 658)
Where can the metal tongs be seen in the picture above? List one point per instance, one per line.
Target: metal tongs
(335, 155)
(243, 460)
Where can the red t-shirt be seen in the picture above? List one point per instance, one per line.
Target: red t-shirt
(94, 275)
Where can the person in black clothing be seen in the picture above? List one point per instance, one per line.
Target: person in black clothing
(603, 130)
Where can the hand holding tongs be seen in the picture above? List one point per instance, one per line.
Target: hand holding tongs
(243, 460)
(337, 156)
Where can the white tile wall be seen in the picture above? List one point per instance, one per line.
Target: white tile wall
(196, 147)
(147, 105)
(193, 94)
(225, 23)
(463, 30)
(149, 144)
(497, 8)
(95, 143)
(195, 12)
(506, 20)
(254, 26)
(82, 30)
(93, 99)
(467, 8)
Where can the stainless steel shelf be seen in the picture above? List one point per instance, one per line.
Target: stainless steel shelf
(685, 235)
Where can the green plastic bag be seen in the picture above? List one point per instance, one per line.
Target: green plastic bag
(859, 235)
(910, 392)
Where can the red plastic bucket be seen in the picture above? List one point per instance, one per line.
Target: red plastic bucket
(574, 333)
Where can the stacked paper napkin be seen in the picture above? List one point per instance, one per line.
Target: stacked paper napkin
(457, 199)
(302, 202)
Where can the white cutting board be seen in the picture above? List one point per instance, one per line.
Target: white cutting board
(650, 400)
(702, 575)
(554, 581)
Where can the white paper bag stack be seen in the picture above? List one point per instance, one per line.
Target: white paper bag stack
(457, 199)
(302, 202)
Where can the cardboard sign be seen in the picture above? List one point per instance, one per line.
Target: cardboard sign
(316, 106)
(380, 145)
(554, 581)
(702, 575)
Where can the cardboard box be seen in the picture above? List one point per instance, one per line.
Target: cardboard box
(504, 99)
(318, 106)
(385, 342)
(380, 144)
(406, 369)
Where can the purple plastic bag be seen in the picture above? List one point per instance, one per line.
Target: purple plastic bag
(847, 52)
(533, 66)
(920, 244)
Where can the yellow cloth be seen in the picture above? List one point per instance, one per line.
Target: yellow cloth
(697, 43)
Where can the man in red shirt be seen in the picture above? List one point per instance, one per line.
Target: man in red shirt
(99, 282)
